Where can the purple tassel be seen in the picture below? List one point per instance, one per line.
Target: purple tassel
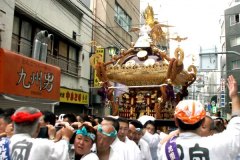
(102, 92)
(170, 92)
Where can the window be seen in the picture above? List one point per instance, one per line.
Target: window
(235, 41)
(15, 36)
(122, 18)
(73, 66)
(234, 19)
(236, 64)
(63, 49)
(22, 36)
(65, 53)
(25, 38)
(72, 53)
(74, 35)
(68, 57)
(237, 18)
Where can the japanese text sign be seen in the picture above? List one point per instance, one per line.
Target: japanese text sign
(99, 51)
(72, 96)
(24, 76)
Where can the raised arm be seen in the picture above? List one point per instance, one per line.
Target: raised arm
(233, 94)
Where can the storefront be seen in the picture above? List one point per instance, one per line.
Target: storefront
(27, 82)
(72, 101)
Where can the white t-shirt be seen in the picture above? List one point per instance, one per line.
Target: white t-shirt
(221, 146)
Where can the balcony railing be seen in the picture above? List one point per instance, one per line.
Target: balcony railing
(67, 66)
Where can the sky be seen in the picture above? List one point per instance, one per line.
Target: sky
(196, 19)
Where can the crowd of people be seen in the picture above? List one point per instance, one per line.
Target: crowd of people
(30, 134)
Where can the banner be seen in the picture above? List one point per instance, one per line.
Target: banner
(99, 51)
(72, 96)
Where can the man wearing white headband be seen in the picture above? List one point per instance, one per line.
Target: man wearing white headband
(109, 147)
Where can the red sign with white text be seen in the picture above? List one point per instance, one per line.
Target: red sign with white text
(24, 76)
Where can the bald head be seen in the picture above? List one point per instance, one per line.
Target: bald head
(104, 138)
(207, 127)
(112, 121)
(108, 128)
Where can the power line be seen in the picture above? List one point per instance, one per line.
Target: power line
(107, 39)
(117, 13)
(100, 23)
(30, 12)
(68, 16)
(106, 12)
(135, 8)
(8, 4)
(103, 35)
(88, 27)
(137, 15)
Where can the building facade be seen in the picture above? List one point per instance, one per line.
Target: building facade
(230, 62)
(112, 28)
(69, 23)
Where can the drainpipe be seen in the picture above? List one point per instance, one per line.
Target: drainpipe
(2, 25)
(38, 43)
(44, 47)
(52, 44)
(0, 38)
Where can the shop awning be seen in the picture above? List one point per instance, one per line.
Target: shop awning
(8, 101)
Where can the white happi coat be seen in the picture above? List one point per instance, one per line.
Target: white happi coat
(221, 146)
(24, 147)
(133, 150)
(145, 150)
(90, 156)
(118, 150)
(153, 140)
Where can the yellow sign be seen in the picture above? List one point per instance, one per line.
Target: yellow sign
(99, 51)
(72, 96)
